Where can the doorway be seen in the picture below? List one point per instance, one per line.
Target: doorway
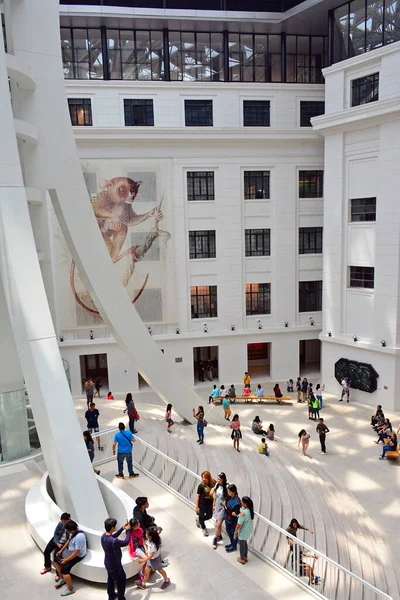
(94, 366)
(310, 357)
(259, 360)
(205, 363)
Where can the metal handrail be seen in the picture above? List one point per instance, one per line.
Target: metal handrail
(282, 531)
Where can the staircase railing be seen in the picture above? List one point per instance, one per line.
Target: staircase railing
(291, 556)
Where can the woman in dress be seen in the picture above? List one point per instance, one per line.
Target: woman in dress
(304, 438)
(90, 448)
(236, 433)
(204, 501)
(244, 528)
(220, 493)
(199, 415)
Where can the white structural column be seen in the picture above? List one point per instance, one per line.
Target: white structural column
(71, 474)
(54, 165)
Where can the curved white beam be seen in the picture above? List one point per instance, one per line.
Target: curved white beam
(26, 132)
(20, 72)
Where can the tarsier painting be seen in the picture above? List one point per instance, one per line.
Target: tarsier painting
(116, 217)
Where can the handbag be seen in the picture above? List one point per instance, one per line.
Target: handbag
(205, 423)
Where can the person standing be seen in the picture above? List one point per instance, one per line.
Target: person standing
(244, 528)
(201, 423)
(226, 405)
(315, 406)
(236, 433)
(298, 389)
(246, 380)
(209, 370)
(322, 430)
(113, 557)
(56, 543)
(214, 394)
(345, 389)
(98, 385)
(204, 501)
(124, 439)
(89, 389)
(90, 448)
(168, 417)
(73, 551)
(318, 392)
(304, 389)
(92, 419)
(232, 511)
(201, 371)
(304, 438)
(131, 411)
(220, 493)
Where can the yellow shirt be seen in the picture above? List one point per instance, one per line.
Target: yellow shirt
(261, 448)
(246, 379)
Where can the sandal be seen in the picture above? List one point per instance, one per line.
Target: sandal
(45, 570)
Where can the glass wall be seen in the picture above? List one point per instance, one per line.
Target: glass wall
(196, 56)
(82, 53)
(363, 25)
(305, 57)
(134, 54)
(254, 57)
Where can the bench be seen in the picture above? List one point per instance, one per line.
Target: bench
(391, 454)
(253, 397)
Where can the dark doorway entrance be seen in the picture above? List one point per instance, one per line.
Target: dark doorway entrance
(259, 359)
(310, 357)
(205, 363)
(94, 366)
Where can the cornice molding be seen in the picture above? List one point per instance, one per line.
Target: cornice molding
(362, 60)
(357, 117)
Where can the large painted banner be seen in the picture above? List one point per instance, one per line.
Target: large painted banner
(132, 210)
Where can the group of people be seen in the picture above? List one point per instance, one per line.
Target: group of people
(304, 437)
(92, 389)
(219, 499)
(69, 546)
(385, 432)
(208, 369)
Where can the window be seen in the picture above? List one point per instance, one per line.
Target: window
(138, 112)
(202, 244)
(198, 113)
(254, 57)
(203, 300)
(363, 209)
(306, 56)
(258, 299)
(365, 89)
(196, 56)
(82, 53)
(310, 296)
(80, 110)
(257, 242)
(310, 240)
(256, 185)
(256, 113)
(310, 109)
(311, 184)
(200, 185)
(135, 55)
(362, 277)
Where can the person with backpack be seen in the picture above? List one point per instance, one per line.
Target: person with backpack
(56, 543)
(124, 439)
(111, 545)
(73, 551)
(132, 412)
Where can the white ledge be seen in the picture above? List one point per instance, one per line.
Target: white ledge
(20, 72)
(34, 196)
(26, 132)
(357, 117)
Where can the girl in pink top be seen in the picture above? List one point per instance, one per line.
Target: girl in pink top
(136, 543)
(236, 433)
(168, 417)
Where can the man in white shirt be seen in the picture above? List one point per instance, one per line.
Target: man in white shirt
(346, 389)
(73, 551)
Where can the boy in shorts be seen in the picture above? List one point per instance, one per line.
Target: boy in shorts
(73, 551)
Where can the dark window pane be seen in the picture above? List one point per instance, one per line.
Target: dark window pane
(310, 240)
(256, 185)
(362, 277)
(198, 113)
(138, 112)
(200, 185)
(311, 184)
(256, 113)
(310, 296)
(202, 244)
(258, 298)
(365, 89)
(203, 301)
(363, 209)
(310, 109)
(257, 242)
(80, 110)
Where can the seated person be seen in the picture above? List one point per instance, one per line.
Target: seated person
(259, 391)
(256, 426)
(374, 417)
(278, 393)
(246, 391)
(380, 419)
(289, 385)
(56, 543)
(140, 513)
(73, 551)
(232, 391)
(392, 445)
(271, 432)
(263, 447)
(384, 431)
(136, 541)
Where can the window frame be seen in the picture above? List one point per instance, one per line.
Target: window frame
(315, 305)
(361, 277)
(147, 103)
(364, 213)
(257, 236)
(310, 246)
(209, 183)
(305, 118)
(319, 183)
(206, 239)
(372, 87)
(254, 104)
(248, 184)
(212, 297)
(76, 102)
(190, 102)
(257, 297)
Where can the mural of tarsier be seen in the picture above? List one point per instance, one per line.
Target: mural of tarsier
(115, 215)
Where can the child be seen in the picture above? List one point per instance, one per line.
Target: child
(263, 447)
(290, 385)
(246, 391)
(136, 543)
(168, 417)
(110, 396)
(152, 560)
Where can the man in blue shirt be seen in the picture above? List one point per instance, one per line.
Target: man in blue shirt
(124, 440)
(113, 557)
(92, 418)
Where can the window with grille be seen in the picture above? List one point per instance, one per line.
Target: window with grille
(363, 209)
(80, 110)
(310, 109)
(310, 240)
(310, 296)
(200, 185)
(362, 277)
(365, 89)
(202, 244)
(258, 299)
(311, 184)
(203, 299)
(138, 112)
(257, 242)
(198, 113)
(256, 113)
(256, 185)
